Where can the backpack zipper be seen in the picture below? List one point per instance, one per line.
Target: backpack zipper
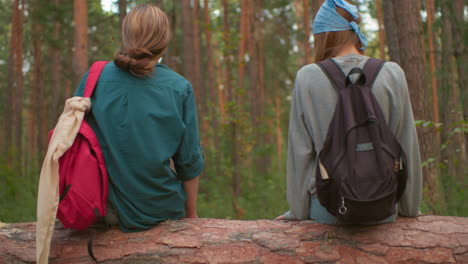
(343, 208)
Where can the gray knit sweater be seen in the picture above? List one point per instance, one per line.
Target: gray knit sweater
(313, 104)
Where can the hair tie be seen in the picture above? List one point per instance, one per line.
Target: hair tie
(329, 20)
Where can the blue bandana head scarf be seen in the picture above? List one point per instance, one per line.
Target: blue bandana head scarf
(327, 19)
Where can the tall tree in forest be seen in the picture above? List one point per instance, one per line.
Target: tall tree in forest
(159, 3)
(188, 37)
(232, 126)
(306, 28)
(316, 6)
(80, 56)
(122, 11)
(14, 100)
(412, 61)
(460, 37)
(197, 85)
(171, 54)
(210, 80)
(450, 94)
(57, 93)
(430, 10)
(243, 39)
(380, 22)
(36, 106)
(391, 30)
(253, 61)
(260, 56)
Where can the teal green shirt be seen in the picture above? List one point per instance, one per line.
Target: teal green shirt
(141, 123)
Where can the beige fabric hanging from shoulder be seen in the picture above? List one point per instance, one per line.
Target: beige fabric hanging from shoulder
(62, 139)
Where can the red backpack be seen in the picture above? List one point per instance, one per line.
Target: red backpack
(83, 182)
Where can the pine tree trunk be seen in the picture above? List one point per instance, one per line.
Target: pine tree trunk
(220, 85)
(391, 29)
(11, 83)
(35, 105)
(122, 11)
(460, 36)
(260, 58)
(16, 89)
(199, 90)
(189, 59)
(233, 130)
(425, 239)
(253, 65)
(279, 133)
(306, 29)
(80, 59)
(412, 61)
(430, 10)
(210, 81)
(378, 7)
(455, 153)
(243, 28)
(316, 6)
(57, 93)
(159, 3)
(170, 54)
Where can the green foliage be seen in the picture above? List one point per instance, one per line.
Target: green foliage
(17, 195)
(454, 186)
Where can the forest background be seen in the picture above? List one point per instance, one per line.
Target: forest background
(241, 57)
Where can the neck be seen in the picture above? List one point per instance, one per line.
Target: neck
(348, 49)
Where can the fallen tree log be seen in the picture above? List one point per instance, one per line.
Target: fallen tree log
(426, 239)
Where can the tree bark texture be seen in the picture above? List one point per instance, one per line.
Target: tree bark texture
(430, 10)
(172, 51)
(426, 239)
(391, 30)
(380, 22)
(412, 61)
(232, 111)
(210, 80)
(243, 35)
(14, 98)
(253, 62)
(306, 28)
(461, 52)
(197, 79)
(189, 59)
(57, 89)
(460, 36)
(316, 6)
(36, 105)
(122, 11)
(450, 94)
(80, 18)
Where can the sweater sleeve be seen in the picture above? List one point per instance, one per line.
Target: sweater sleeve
(407, 136)
(300, 156)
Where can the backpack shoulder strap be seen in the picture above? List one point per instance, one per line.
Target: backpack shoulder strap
(93, 76)
(371, 70)
(333, 72)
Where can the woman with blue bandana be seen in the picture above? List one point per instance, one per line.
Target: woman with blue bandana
(337, 35)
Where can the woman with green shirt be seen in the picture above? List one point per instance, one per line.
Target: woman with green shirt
(144, 115)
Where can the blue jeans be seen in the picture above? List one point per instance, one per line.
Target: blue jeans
(318, 213)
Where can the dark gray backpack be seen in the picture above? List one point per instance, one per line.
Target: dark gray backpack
(361, 172)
